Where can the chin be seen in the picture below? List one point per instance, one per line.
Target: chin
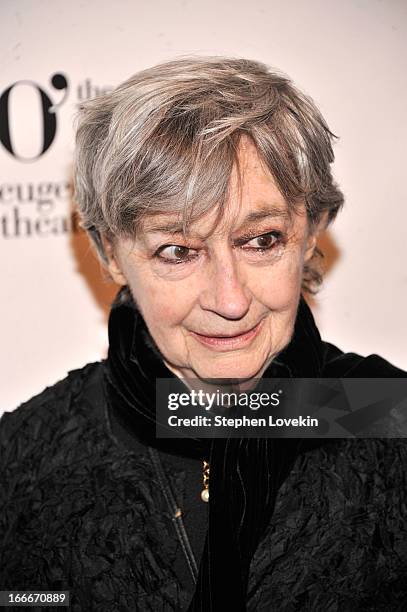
(230, 371)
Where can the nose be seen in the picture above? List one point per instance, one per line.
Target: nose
(225, 292)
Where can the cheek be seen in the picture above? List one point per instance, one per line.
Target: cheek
(162, 304)
(280, 284)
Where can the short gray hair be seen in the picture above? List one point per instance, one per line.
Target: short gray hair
(166, 141)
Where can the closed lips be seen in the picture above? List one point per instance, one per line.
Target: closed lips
(227, 335)
(225, 341)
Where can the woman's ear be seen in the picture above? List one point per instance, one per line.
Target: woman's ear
(113, 263)
(314, 232)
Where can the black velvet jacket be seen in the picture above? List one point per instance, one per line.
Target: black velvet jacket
(82, 506)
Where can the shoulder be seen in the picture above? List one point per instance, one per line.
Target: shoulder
(35, 422)
(382, 415)
(337, 363)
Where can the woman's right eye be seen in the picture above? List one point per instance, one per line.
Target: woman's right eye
(174, 253)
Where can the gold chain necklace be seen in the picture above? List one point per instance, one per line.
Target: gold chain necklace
(205, 477)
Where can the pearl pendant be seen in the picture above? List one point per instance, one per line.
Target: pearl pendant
(205, 495)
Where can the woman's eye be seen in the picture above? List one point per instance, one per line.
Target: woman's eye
(263, 242)
(176, 254)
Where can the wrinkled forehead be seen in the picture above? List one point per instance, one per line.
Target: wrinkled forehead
(252, 196)
(227, 220)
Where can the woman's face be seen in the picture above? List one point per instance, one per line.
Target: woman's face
(221, 302)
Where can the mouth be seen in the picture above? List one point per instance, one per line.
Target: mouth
(223, 341)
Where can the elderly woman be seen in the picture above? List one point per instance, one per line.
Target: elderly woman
(204, 184)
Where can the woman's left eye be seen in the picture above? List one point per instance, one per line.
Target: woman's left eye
(264, 242)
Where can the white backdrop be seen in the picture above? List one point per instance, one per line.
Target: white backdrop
(350, 56)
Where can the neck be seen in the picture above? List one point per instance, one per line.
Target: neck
(190, 379)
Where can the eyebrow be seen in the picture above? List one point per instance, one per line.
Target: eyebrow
(262, 213)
